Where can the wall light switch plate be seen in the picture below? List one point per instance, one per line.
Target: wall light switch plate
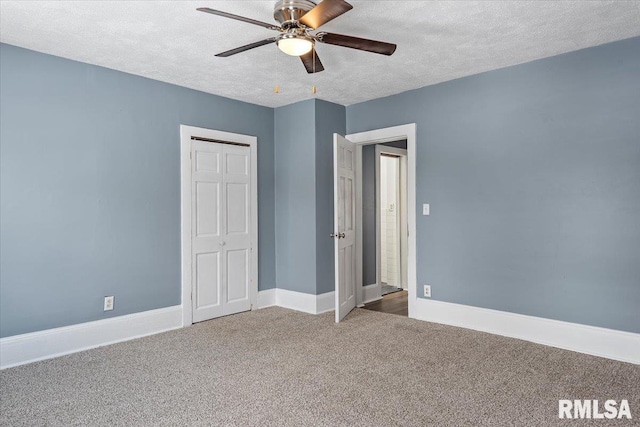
(425, 209)
(108, 303)
(427, 291)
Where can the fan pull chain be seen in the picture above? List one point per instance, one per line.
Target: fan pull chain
(276, 89)
(313, 88)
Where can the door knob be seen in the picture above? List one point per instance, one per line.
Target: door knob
(222, 243)
(338, 235)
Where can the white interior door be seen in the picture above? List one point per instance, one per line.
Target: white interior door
(344, 166)
(221, 229)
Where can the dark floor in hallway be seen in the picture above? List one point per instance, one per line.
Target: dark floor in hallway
(394, 303)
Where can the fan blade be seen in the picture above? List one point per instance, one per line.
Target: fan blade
(324, 12)
(247, 47)
(239, 18)
(357, 43)
(312, 62)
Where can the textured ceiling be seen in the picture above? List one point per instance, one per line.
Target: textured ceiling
(437, 41)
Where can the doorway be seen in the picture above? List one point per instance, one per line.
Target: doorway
(389, 226)
(391, 217)
(219, 223)
(366, 291)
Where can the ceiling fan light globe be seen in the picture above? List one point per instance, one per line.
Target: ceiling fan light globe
(295, 46)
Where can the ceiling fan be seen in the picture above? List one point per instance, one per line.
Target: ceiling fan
(299, 20)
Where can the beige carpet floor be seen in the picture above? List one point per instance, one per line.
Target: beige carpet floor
(276, 367)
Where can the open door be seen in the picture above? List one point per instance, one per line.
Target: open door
(344, 206)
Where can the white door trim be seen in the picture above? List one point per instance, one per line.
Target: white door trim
(402, 209)
(186, 132)
(378, 136)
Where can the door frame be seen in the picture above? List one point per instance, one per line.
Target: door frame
(186, 133)
(377, 136)
(402, 155)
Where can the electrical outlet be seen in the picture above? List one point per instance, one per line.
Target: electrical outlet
(427, 291)
(108, 303)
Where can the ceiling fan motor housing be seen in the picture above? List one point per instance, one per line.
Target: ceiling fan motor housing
(288, 12)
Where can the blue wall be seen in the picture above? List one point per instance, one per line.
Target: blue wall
(330, 118)
(295, 197)
(90, 188)
(304, 194)
(533, 176)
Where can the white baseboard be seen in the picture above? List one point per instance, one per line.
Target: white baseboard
(299, 301)
(325, 302)
(612, 344)
(296, 301)
(609, 343)
(370, 293)
(267, 298)
(32, 347)
(41, 345)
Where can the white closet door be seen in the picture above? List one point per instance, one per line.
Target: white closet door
(236, 219)
(206, 230)
(221, 243)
